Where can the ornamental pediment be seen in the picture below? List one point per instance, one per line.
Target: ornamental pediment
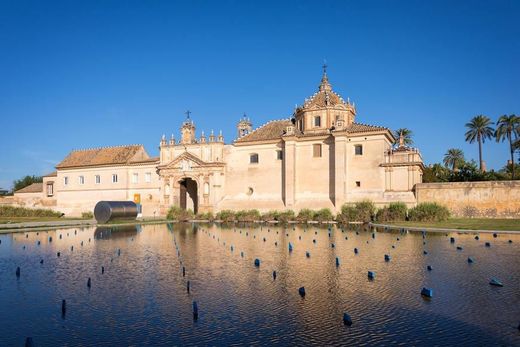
(187, 162)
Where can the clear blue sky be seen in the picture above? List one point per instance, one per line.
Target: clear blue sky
(82, 74)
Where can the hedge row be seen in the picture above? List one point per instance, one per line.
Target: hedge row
(13, 211)
(363, 211)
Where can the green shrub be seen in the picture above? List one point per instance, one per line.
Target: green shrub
(428, 212)
(205, 216)
(362, 211)
(285, 216)
(247, 215)
(14, 211)
(87, 215)
(305, 215)
(226, 216)
(394, 212)
(270, 216)
(348, 214)
(323, 215)
(179, 214)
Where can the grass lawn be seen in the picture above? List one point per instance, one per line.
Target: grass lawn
(11, 220)
(467, 224)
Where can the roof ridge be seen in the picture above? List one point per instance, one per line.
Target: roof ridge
(106, 147)
(265, 124)
(370, 125)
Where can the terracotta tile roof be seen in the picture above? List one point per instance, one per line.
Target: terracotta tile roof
(52, 174)
(33, 188)
(363, 128)
(104, 156)
(144, 161)
(275, 129)
(270, 131)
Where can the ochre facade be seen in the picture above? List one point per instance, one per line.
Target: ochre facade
(320, 157)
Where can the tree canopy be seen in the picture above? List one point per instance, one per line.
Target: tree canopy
(406, 134)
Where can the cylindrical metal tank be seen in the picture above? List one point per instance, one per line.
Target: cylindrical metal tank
(109, 210)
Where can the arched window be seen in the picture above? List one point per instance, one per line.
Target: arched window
(206, 188)
(253, 158)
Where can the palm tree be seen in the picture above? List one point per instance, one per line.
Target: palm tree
(479, 129)
(403, 136)
(454, 157)
(508, 127)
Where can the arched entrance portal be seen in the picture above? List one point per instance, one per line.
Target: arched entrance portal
(188, 194)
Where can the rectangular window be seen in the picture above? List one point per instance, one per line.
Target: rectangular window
(317, 121)
(50, 189)
(65, 180)
(253, 158)
(148, 177)
(98, 179)
(114, 178)
(358, 149)
(279, 155)
(135, 178)
(358, 183)
(81, 179)
(316, 150)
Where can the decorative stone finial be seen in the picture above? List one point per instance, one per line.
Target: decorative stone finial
(325, 85)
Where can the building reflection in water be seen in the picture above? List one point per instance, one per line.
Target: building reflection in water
(119, 231)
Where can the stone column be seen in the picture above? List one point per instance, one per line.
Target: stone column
(340, 174)
(172, 190)
(289, 173)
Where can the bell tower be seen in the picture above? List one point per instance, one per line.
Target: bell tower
(188, 130)
(244, 126)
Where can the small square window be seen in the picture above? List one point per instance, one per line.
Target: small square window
(279, 155)
(316, 150)
(358, 149)
(253, 158)
(358, 183)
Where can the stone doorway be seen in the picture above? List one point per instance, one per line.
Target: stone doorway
(188, 195)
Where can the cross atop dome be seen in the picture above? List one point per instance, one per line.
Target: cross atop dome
(325, 85)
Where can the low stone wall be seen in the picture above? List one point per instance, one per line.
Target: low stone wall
(491, 199)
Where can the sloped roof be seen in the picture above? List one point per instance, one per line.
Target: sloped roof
(33, 188)
(52, 174)
(363, 128)
(105, 156)
(276, 129)
(270, 131)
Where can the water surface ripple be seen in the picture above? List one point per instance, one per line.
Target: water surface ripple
(141, 298)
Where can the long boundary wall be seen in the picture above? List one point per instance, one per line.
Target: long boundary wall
(490, 199)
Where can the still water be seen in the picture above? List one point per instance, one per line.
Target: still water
(141, 298)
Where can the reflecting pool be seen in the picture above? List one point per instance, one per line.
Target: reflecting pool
(142, 298)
